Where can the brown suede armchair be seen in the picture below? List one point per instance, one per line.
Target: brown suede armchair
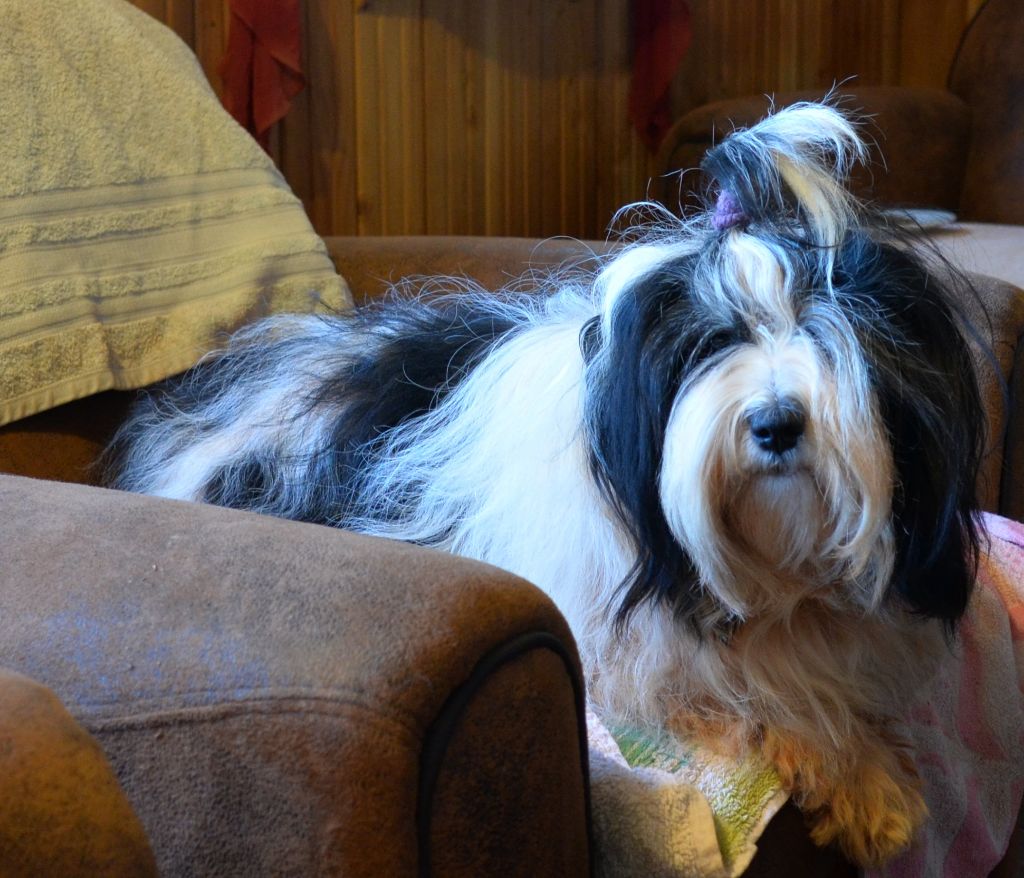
(959, 149)
(282, 698)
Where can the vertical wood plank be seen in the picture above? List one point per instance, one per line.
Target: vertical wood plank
(180, 15)
(929, 35)
(211, 37)
(388, 119)
(449, 98)
(290, 144)
(533, 121)
(331, 95)
(491, 53)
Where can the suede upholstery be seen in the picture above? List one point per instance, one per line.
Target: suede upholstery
(62, 811)
(988, 76)
(998, 316)
(281, 698)
(372, 264)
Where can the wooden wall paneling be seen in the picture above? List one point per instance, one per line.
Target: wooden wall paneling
(691, 85)
(553, 43)
(571, 55)
(516, 170)
(528, 59)
(156, 8)
(581, 125)
(883, 43)
(622, 161)
(480, 116)
(514, 126)
(464, 24)
(808, 45)
(211, 37)
(496, 30)
(848, 31)
(388, 139)
(929, 35)
(446, 84)
(406, 179)
(367, 123)
(179, 15)
(291, 146)
(500, 35)
(971, 9)
(891, 40)
(608, 121)
(329, 62)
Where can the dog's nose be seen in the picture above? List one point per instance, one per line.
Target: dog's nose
(777, 428)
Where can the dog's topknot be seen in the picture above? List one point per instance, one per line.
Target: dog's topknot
(789, 170)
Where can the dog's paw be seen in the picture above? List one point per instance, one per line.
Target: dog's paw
(872, 815)
(866, 800)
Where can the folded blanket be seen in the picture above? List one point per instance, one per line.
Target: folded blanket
(139, 224)
(663, 808)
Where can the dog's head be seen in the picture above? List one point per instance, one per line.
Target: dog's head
(781, 397)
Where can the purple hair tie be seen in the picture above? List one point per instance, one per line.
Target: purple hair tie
(728, 212)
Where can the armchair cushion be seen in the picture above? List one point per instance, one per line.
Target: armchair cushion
(61, 809)
(138, 221)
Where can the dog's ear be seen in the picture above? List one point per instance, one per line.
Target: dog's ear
(635, 366)
(931, 407)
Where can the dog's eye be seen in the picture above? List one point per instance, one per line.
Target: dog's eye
(717, 341)
(709, 345)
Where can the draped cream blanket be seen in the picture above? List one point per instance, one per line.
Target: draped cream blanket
(139, 224)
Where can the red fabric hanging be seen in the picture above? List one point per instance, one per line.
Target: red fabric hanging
(661, 36)
(262, 67)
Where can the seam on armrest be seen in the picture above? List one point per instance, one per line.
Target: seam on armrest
(440, 733)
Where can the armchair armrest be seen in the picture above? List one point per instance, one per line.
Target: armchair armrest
(922, 136)
(284, 698)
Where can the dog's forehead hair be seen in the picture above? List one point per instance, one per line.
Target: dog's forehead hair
(752, 281)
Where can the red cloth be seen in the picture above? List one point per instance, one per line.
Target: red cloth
(262, 67)
(661, 36)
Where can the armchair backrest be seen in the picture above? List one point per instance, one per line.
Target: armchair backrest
(988, 74)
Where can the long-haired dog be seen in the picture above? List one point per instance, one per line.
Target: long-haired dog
(740, 455)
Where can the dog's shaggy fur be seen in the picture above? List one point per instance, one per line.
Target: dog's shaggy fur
(740, 456)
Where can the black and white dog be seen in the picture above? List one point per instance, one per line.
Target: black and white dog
(740, 456)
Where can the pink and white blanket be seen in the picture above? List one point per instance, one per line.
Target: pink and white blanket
(969, 734)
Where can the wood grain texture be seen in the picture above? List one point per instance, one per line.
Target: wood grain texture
(509, 118)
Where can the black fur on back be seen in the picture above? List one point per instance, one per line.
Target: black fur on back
(383, 364)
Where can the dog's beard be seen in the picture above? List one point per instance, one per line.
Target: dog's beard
(779, 518)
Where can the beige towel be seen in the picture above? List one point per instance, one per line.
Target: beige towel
(138, 222)
(664, 809)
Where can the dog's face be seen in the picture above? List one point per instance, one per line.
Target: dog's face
(776, 417)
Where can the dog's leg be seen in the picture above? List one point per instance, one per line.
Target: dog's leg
(870, 804)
